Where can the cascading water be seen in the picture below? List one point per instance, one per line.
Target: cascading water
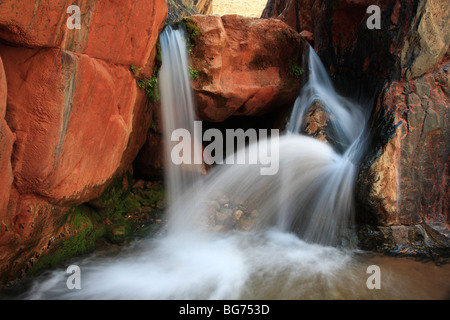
(324, 198)
(348, 120)
(301, 212)
(178, 111)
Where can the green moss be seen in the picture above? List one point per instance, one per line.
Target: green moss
(295, 70)
(115, 191)
(150, 86)
(150, 197)
(193, 73)
(134, 69)
(87, 233)
(123, 206)
(115, 216)
(193, 32)
(153, 126)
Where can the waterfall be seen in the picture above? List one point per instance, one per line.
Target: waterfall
(326, 197)
(346, 117)
(312, 194)
(178, 112)
(297, 216)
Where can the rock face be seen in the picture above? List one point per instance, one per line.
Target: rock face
(77, 116)
(344, 42)
(179, 9)
(404, 178)
(44, 25)
(239, 72)
(408, 180)
(6, 144)
(72, 138)
(204, 6)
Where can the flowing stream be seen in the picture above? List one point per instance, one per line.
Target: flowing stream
(299, 241)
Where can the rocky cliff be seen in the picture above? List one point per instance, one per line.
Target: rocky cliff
(72, 114)
(238, 72)
(79, 112)
(403, 66)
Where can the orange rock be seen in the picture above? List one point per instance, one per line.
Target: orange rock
(39, 24)
(123, 32)
(73, 117)
(77, 116)
(6, 144)
(29, 231)
(243, 65)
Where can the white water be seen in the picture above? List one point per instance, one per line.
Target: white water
(293, 252)
(347, 118)
(178, 111)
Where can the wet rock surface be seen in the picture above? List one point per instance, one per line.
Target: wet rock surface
(239, 72)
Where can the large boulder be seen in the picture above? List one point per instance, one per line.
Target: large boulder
(109, 31)
(243, 66)
(72, 115)
(77, 114)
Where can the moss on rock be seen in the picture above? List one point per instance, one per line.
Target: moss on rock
(82, 232)
(122, 213)
(193, 32)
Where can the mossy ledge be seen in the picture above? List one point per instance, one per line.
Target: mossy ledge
(126, 210)
(150, 86)
(193, 32)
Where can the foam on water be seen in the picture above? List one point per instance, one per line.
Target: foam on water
(200, 266)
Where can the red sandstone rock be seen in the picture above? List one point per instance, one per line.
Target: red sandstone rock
(121, 32)
(6, 144)
(243, 65)
(28, 234)
(74, 107)
(73, 117)
(410, 185)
